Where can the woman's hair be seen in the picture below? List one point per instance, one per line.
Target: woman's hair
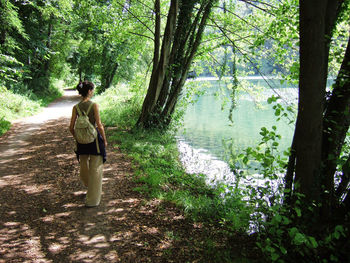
(84, 87)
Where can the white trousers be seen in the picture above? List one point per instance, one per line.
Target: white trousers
(91, 171)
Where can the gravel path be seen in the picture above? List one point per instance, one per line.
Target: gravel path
(42, 212)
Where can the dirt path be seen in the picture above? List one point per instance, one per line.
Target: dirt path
(42, 213)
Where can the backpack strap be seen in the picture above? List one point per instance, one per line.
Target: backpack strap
(79, 111)
(87, 113)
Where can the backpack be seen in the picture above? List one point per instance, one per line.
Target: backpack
(84, 131)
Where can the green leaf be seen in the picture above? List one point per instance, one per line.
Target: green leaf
(283, 250)
(313, 242)
(299, 239)
(278, 218)
(293, 231)
(336, 235)
(274, 256)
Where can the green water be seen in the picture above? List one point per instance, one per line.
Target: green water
(207, 125)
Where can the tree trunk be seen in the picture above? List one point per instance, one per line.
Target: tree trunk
(327, 180)
(342, 190)
(107, 77)
(48, 45)
(321, 125)
(156, 34)
(331, 13)
(2, 36)
(289, 178)
(312, 84)
(159, 70)
(177, 55)
(196, 38)
(166, 83)
(336, 125)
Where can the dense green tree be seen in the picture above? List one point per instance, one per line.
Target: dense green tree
(106, 46)
(10, 25)
(32, 34)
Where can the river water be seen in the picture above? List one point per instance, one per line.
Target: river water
(207, 128)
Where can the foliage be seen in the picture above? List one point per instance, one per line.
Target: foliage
(158, 168)
(282, 241)
(280, 237)
(22, 104)
(14, 106)
(121, 104)
(10, 22)
(4, 125)
(104, 49)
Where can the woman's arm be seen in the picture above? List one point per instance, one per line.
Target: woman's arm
(99, 123)
(72, 121)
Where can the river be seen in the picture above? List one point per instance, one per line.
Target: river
(206, 124)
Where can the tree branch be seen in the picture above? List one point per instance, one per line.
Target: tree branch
(131, 13)
(257, 7)
(141, 35)
(245, 55)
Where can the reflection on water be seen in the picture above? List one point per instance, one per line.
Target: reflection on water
(207, 126)
(200, 161)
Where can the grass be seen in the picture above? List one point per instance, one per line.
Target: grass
(120, 106)
(15, 105)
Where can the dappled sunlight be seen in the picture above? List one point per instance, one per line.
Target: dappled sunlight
(56, 248)
(34, 189)
(14, 247)
(49, 218)
(44, 218)
(98, 241)
(115, 210)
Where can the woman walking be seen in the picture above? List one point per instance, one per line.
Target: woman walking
(90, 155)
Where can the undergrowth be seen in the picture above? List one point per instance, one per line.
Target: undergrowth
(23, 103)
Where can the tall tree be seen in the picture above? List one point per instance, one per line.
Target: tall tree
(11, 26)
(321, 125)
(185, 24)
(106, 41)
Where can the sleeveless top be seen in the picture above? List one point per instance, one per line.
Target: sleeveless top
(90, 148)
(83, 106)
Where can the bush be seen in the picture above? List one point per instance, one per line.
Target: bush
(22, 102)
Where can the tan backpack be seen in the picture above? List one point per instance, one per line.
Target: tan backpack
(84, 131)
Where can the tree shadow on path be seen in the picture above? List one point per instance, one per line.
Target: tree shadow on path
(43, 217)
